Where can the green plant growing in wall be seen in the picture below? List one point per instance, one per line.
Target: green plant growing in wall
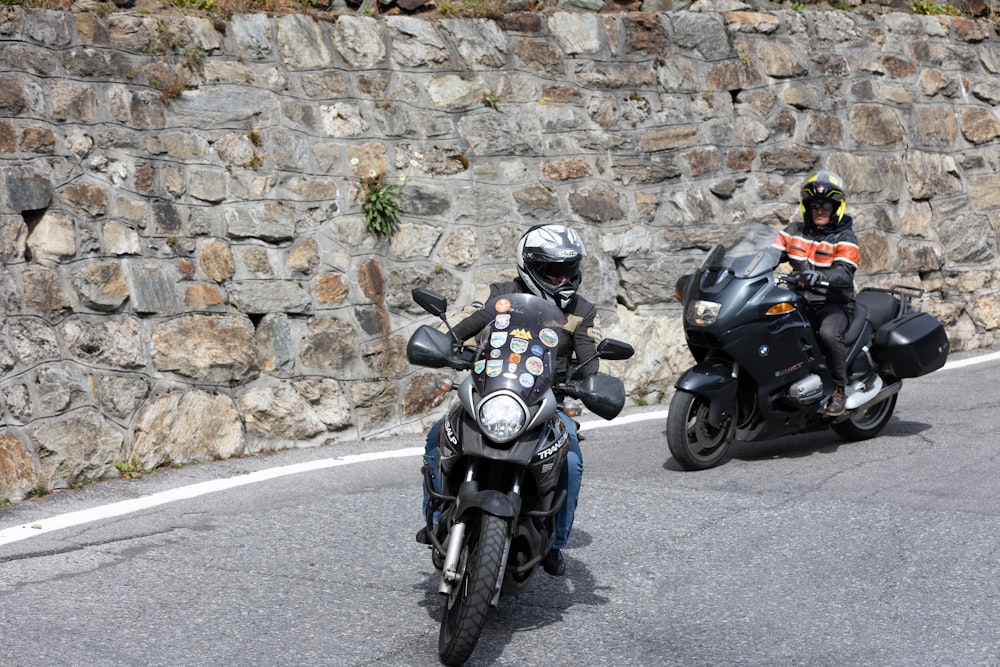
(381, 204)
(131, 469)
(491, 98)
(931, 8)
(381, 201)
(203, 5)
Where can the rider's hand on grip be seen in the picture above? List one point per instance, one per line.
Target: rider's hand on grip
(804, 279)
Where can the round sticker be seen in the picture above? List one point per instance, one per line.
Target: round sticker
(537, 350)
(495, 353)
(502, 305)
(527, 380)
(549, 337)
(534, 365)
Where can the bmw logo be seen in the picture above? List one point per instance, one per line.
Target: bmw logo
(763, 350)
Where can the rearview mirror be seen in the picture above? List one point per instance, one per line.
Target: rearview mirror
(432, 302)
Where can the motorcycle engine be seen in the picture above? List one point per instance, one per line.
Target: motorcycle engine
(807, 390)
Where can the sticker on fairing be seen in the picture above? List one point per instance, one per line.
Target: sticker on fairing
(521, 333)
(479, 367)
(494, 367)
(498, 338)
(527, 380)
(534, 365)
(502, 321)
(518, 345)
(502, 305)
(549, 337)
(495, 354)
(514, 358)
(537, 350)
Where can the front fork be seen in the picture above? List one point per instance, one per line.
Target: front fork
(503, 505)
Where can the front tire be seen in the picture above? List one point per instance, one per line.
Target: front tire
(466, 607)
(693, 442)
(867, 423)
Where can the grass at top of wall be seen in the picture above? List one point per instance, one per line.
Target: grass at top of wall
(492, 9)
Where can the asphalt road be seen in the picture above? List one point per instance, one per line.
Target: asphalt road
(804, 551)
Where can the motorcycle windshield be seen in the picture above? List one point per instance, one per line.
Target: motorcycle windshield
(518, 349)
(748, 250)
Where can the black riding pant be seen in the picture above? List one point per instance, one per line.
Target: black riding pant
(830, 322)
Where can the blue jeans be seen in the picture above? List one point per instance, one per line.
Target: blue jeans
(570, 479)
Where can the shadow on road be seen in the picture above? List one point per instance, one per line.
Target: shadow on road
(805, 444)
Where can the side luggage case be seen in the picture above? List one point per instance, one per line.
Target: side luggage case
(911, 345)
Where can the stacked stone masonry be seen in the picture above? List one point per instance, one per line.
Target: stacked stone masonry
(187, 273)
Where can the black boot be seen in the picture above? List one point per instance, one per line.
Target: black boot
(553, 563)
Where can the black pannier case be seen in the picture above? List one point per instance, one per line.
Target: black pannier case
(912, 345)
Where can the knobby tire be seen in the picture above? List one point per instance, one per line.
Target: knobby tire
(465, 609)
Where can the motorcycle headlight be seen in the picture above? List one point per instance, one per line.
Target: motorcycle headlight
(502, 417)
(703, 313)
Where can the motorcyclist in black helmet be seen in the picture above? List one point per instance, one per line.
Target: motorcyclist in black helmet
(549, 259)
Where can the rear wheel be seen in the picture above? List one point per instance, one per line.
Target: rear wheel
(866, 423)
(694, 443)
(467, 605)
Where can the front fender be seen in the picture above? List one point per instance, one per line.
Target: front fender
(715, 380)
(503, 505)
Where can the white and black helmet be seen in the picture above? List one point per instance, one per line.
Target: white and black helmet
(548, 261)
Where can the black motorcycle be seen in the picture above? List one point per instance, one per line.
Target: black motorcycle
(502, 447)
(760, 373)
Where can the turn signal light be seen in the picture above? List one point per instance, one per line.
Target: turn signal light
(780, 309)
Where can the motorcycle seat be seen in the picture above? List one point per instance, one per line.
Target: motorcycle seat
(881, 306)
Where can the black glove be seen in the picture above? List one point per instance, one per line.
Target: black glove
(804, 279)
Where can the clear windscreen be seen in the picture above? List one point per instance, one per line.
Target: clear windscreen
(747, 250)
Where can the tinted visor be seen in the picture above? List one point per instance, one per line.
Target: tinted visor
(557, 272)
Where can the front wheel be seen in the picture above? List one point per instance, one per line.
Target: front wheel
(694, 443)
(866, 423)
(466, 607)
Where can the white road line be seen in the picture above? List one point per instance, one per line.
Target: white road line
(23, 532)
(191, 491)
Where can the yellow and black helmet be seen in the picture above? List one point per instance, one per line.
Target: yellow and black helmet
(823, 186)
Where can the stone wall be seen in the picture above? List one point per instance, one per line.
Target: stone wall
(187, 273)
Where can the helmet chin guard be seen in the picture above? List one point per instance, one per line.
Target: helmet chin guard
(548, 262)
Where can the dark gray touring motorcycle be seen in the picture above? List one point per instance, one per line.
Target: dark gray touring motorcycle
(759, 371)
(502, 447)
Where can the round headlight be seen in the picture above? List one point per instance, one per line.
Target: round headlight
(502, 418)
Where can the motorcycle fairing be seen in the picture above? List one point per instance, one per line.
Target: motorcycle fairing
(541, 451)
